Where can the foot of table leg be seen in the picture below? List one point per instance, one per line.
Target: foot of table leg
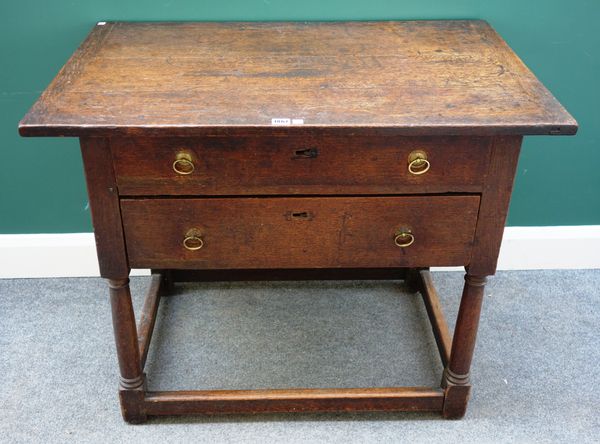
(132, 403)
(131, 382)
(456, 375)
(456, 394)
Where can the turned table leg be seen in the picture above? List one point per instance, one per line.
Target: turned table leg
(131, 382)
(456, 375)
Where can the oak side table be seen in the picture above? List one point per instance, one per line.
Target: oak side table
(360, 150)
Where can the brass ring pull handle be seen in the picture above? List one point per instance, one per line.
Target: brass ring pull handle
(404, 239)
(183, 164)
(193, 240)
(418, 163)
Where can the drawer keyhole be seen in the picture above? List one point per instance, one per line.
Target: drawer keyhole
(307, 153)
(299, 215)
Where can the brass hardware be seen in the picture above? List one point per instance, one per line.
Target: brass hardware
(183, 164)
(404, 238)
(418, 163)
(193, 240)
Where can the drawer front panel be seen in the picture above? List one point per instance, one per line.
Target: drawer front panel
(294, 165)
(301, 232)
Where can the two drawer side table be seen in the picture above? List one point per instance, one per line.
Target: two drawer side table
(339, 150)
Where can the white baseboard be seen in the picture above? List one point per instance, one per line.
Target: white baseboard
(49, 255)
(523, 248)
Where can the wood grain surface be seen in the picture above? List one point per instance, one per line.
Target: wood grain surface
(104, 205)
(299, 165)
(302, 232)
(411, 399)
(414, 77)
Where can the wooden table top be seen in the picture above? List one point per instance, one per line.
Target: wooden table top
(405, 78)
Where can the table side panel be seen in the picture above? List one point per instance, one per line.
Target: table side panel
(105, 209)
(495, 201)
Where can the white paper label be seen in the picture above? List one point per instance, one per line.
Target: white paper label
(297, 121)
(280, 121)
(101, 23)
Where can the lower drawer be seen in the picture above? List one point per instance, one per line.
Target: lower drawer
(302, 232)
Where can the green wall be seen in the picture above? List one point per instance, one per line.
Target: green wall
(42, 187)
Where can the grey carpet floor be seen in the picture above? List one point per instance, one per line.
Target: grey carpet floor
(536, 370)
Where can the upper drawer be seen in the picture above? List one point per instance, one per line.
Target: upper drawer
(295, 165)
